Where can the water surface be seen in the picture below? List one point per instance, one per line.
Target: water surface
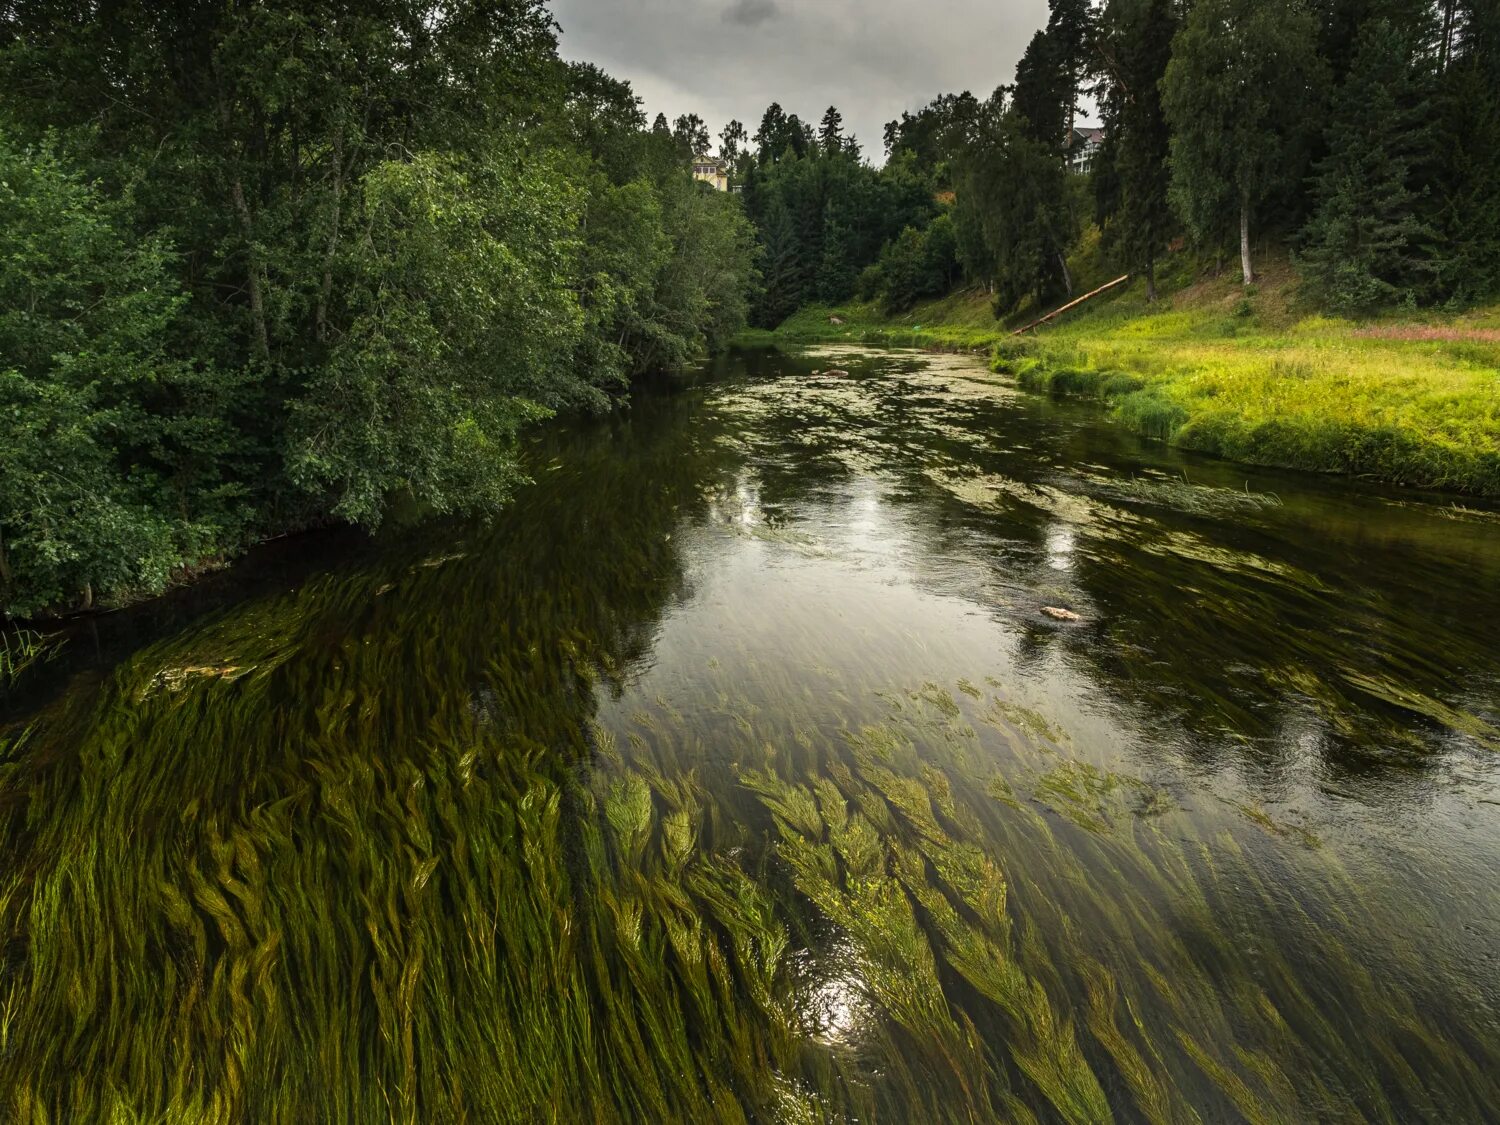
(743, 771)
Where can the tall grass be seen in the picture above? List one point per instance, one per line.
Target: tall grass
(21, 649)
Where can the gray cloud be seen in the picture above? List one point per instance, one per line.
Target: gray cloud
(751, 13)
(871, 58)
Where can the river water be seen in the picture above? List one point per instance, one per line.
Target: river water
(742, 770)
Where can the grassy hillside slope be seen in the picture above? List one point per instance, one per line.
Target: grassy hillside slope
(1257, 376)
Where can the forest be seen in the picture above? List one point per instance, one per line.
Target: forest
(265, 265)
(269, 265)
(1364, 135)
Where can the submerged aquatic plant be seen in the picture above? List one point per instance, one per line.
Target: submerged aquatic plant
(516, 837)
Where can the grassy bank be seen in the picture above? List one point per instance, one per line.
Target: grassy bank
(1259, 377)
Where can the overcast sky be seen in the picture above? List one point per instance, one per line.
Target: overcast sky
(732, 58)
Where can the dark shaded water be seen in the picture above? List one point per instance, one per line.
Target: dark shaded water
(740, 772)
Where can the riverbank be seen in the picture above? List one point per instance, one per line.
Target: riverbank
(1256, 377)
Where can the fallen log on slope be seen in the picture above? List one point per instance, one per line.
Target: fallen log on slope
(1072, 305)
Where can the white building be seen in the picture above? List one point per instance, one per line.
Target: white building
(1083, 149)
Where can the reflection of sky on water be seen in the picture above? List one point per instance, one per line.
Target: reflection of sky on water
(1061, 540)
(862, 545)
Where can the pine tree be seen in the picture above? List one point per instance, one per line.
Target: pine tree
(1070, 27)
(1242, 96)
(1366, 244)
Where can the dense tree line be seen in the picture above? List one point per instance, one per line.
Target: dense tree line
(265, 263)
(823, 214)
(1364, 134)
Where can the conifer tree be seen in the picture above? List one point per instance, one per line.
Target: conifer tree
(1467, 178)
(831, 132)
(1041, 97)
(1366, 244)
(1070, 30)
(771, 139)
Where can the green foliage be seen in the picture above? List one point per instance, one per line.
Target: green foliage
(1366, 244)
(1466, 150)
(463, 329)
(823, 216)
(110, 446)
(282, 261)
(1043, 96)
(917, 264)
(1243, 95)
(1134, 179)
(1017, 212)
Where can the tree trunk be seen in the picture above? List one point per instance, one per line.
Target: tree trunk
(1067, 277)
(1445, 48)
(1150, 278)
(325, 292)
(1245, 240)
(260, 338)
(4, 568)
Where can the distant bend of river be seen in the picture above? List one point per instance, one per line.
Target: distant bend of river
(885, 745)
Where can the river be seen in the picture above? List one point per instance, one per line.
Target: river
(745, 769)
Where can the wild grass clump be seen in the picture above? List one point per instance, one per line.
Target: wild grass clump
(20, 650)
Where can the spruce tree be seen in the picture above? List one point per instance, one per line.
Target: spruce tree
(1366, 244)
(771, 139)
(1466, 182)
(831, 132)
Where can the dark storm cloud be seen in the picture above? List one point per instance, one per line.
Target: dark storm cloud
(732, 58)
(751, 13)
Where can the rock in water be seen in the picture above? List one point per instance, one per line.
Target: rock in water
(837, 373)
(1057, 614)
